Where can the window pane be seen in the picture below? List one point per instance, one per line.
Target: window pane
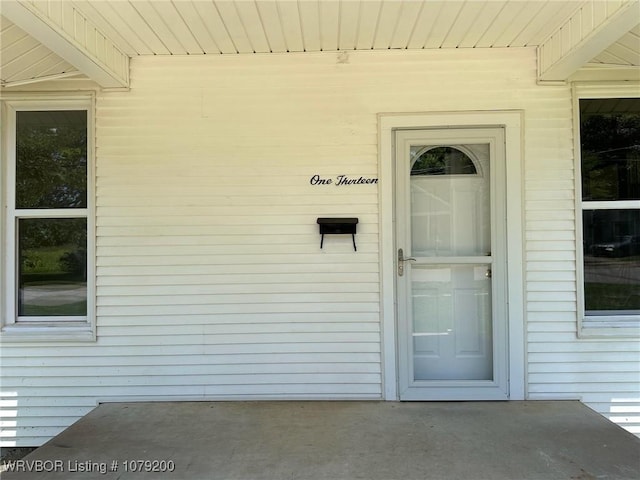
(51, 159)
(440, 161)
(610, 148)
(52, 267)
(611, 261)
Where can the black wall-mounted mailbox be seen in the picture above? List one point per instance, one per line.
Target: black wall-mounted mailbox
(338, 226)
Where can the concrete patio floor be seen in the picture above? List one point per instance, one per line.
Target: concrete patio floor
(338, 440)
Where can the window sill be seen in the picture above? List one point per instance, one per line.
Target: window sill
(607, 327)
(69, 332)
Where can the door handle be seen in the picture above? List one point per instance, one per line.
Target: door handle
(401, 260)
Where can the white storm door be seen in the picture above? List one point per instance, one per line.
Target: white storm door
(451, 269)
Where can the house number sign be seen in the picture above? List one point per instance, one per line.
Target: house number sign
(342, 180)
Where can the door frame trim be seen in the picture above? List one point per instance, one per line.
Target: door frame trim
(512, 122)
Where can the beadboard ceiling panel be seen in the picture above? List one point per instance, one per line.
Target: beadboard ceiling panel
(214, 27)
(161, 27)
(23, 57)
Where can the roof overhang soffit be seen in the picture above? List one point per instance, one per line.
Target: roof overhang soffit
(74, 38)
(589, 31)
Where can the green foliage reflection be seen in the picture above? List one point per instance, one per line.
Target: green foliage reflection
(51, 160)
(52, 266)
(610, 152)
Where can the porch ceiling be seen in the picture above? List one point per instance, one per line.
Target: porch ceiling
(44, 39)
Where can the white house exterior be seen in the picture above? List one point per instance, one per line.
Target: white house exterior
(207, 173)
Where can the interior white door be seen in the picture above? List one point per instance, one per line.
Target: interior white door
(451, 274)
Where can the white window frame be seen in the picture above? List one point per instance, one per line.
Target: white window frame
(42, 328)
(590, 326)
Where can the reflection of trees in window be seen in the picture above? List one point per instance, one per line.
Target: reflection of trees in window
(51, 160)
(610, 153)
(442, 161)
(51, 179)
(52, 252)
(67, 236)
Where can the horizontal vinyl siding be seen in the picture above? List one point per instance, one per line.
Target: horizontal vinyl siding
(221, 235)
(207, 240)
(211, 282)
(605, 374)
(210, 278)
